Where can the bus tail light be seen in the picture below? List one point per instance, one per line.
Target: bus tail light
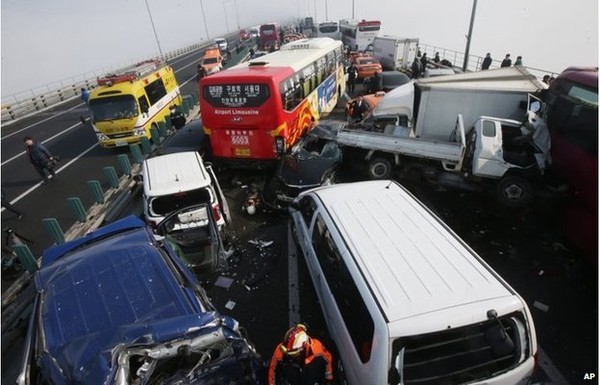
(279, 144)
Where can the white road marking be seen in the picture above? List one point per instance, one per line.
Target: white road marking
(41, 121)
(293, 294)
(32, 188)
(546, 364)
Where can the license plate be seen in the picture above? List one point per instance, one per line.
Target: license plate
(120, 143)
(240, 151)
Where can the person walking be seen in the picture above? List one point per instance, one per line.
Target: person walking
(7, 205)
(40, 158)
(300, 360)
(85, 95)
(352, 75)
(487, 62)
(507, 62)
(519, 61)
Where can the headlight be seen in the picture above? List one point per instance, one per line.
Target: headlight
(102, 137)
(139, 131)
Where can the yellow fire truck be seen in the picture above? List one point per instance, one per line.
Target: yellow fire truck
(126, 105)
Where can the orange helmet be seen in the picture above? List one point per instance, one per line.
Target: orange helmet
(294, 341)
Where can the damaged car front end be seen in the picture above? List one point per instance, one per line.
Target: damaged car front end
(312, 162)
(119, 307)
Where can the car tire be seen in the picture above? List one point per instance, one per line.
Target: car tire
(514, 191)
(380, 168)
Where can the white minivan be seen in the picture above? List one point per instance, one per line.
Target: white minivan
(406, 301)
(178, 180)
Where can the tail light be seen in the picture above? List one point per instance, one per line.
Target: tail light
(217, 211)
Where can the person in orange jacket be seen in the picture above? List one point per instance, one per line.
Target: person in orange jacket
(300, 360)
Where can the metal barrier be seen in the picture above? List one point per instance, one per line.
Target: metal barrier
(29, 102)
(474, 64)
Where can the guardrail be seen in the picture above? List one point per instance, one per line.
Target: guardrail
(474, 64)
(35, 100)
(17, 299)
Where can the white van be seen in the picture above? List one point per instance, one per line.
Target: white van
(174, 181)
(405, 300)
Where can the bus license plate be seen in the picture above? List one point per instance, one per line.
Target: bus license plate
(241, 151)
(121, 143)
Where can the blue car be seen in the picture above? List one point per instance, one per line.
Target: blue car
(119, 307)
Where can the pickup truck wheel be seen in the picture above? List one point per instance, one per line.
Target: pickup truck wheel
(514, 191)
(380, 168)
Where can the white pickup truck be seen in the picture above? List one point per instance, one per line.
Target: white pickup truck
(502, 153)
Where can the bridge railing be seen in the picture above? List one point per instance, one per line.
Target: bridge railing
(474, 64)
(37, 99)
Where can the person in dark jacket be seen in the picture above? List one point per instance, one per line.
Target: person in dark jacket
(507, 62)
(487, 62)
(359, 108)
(416, 68)
(375, 83)
(424, 60)
(41, 159)
(352, 75)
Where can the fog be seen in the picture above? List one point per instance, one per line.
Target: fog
(52, 42)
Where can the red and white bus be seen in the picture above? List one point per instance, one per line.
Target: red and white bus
(359, 34)
(572, 118)
(256, 110)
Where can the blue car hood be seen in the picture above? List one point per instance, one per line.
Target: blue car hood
(110, 288)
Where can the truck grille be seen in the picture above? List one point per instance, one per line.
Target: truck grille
(120, 135)
(465, 354)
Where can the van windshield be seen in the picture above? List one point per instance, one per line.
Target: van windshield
(113, 107)
(163, 205)
(210, 60)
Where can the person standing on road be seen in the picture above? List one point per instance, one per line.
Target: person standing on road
(487, 62)
(507, 62)
(359, 108)
(436, 59)
(300, 360)
(416, 68)
(85, 95)
(352, 78)
(424, 61)
(41, 159)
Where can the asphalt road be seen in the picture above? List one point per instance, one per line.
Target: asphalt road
(525, 246)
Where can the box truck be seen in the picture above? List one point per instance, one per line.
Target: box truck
(395, 52)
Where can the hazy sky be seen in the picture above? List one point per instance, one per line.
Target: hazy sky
(46, 41)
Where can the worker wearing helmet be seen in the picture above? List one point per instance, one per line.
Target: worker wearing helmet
(300, 360)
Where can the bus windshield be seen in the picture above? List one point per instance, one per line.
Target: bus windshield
(113, 107)
(369, 28)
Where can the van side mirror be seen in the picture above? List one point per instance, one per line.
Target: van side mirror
(139, 178)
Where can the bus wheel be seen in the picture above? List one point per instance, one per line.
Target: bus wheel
(380, 168)
(514, 191)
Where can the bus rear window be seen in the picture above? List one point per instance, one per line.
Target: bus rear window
(236, 95)
(368, 28)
